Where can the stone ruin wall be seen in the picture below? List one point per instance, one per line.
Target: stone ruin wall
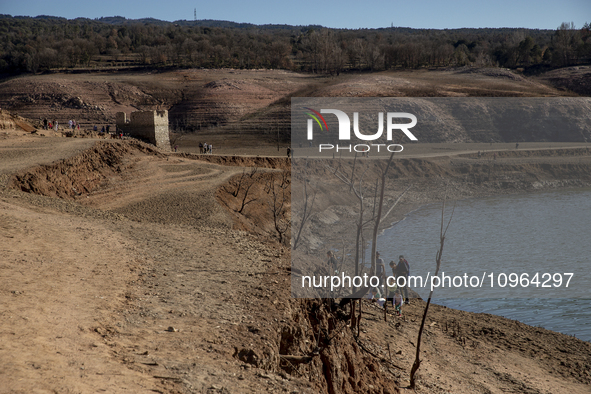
(151, 126)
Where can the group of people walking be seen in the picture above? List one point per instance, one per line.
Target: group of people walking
(205, 148)
(73, 125)
(393, 291)
(50, 125)
(394, 288)
(54, 124)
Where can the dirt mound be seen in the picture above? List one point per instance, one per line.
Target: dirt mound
(333, 359)
(231, 85)
(82, 173)
(575, 79)
(233, 104)
(11, 122)
(492, 72)
(87, 99)
(259, 202)
(367, 86)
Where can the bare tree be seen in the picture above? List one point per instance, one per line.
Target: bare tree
(245, 199)
(378, 215)
(236, 185)
(278, 198)
(175, 137)
(306, 214)
(442, 232)
(359, 192)
(565, 39)
(244, 184)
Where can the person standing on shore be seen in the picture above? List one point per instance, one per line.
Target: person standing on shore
(380, 270)
(391, 285)
(403, 269)
(397, 302)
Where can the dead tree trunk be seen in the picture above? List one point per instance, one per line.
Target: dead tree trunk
(306, 214)
(417, 362)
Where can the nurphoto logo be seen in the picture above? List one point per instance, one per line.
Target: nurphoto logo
(344, 130)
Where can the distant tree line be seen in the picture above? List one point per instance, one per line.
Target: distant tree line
(45, 43)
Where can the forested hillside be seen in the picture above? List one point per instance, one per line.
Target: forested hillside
(48, 43)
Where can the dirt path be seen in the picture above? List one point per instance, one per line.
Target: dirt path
(18, 151)
(62, 276)
(438, 150)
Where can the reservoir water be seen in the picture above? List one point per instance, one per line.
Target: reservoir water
(503, 242)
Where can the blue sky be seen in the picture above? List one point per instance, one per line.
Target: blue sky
(542, 14)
